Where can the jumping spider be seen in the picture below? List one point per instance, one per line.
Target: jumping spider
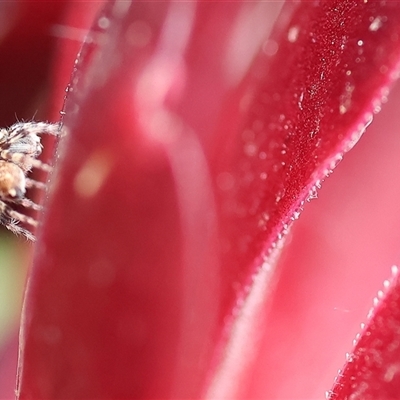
(19, 148)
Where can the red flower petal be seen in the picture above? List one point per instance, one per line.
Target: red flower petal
(338, 254)
(188, 156)
(26, 46)
(8, 367)
(372, 371)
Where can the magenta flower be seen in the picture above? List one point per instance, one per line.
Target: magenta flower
(195, 133)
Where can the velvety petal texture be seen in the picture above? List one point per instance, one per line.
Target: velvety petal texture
(194, 133)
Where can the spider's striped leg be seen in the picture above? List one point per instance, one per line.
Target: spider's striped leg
(20, 217)
(10, 219)
(34, 128)
(41, 165)
(31, 183)
(24, 161)
(18, 230)
(45, 127)
(27, 203)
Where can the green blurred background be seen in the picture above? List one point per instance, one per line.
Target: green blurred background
(15, 254)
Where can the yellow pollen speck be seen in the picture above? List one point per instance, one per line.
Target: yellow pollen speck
(93, 174)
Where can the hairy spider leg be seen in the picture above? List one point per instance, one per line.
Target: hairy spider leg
(31, 183)
(10, 219)
(20, 146)
(24, 161)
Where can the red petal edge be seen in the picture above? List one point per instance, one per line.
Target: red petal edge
(372, 370)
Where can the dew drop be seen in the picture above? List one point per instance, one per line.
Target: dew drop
(356, 135)
(293, 34)
(342, 109)
(383, 69)
(265, 216)
(296, 215)
(377, 106)
(270, 47)
(328, 394)
(391, 371)
(312, 194)
(386, 284)
(93, 174)
(103, 23)
(375, 24)
(299, 103)
(250, 149)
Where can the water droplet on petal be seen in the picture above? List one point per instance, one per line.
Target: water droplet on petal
(375, 24)
(293, 34)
